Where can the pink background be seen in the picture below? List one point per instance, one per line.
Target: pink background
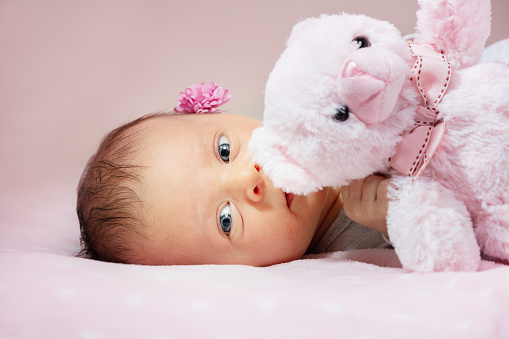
(70, 71)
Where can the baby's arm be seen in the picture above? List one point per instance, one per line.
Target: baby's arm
(365, 202)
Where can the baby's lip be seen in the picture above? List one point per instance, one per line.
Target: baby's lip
(289, 198)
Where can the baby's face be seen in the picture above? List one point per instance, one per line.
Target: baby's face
(207, 203)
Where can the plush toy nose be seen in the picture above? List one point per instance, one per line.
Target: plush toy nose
(362, 92)
(364, 63)
(369, 84)
(351, 69)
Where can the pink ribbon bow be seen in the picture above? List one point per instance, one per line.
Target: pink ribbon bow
(431, 74)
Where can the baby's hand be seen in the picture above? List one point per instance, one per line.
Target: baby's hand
(365, 202)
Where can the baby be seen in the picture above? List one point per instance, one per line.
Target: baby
(174, 189)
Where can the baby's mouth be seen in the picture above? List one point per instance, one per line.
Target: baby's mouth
(289, 198)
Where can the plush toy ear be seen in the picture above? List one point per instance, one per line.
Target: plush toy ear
(270, 151)
(461, 30)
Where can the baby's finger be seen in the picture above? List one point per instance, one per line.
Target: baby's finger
(370, 190)
(345, 192)
(355, 189)
(382, 192)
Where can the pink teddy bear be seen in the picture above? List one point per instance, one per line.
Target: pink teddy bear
(349, 97)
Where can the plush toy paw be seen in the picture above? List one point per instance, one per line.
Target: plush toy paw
(284, 171)
(492, 233)
(431, 230)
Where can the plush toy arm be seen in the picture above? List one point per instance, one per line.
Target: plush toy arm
(268, 150)
(430, 229)
(459, 27)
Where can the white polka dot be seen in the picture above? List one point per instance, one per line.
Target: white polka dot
(200, 305)
(464, 325)
(400, 317)
(486, 292)
(65, 293)
(133, 300)
(98, 275)
(333, 307)
(424, 294)
(160, 336)
(66, 266)
(3, 286)
(165, 276)
(351, 277)
(73, 248)
(9, 250)
(405, 276)
(266, 305)
(451, 284)
(40, 248)
(91, 335)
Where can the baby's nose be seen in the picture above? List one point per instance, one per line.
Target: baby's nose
(248, 182)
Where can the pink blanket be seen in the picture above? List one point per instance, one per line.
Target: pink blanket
(46, 292)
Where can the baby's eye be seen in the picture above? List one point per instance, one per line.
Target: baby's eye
(224, 149)
(225, 219)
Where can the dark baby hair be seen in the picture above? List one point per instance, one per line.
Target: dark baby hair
(109, 210)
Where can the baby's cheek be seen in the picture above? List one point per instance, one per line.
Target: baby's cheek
(294, 243)
(316, 204)
(298, 235)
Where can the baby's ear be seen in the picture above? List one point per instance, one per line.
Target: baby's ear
(268, 150)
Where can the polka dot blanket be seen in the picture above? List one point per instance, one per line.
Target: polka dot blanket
(47, 292)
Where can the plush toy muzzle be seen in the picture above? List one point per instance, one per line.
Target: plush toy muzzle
(370, 83)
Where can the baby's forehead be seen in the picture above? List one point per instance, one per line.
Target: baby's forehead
(151, 128)
(169, 122)
(170, 169)
(168, 139)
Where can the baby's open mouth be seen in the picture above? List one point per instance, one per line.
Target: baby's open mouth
(289, 198)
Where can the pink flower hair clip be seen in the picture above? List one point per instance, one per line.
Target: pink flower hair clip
(203, 98)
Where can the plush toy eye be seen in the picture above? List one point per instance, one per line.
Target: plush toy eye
(362, 42)
(342, 113)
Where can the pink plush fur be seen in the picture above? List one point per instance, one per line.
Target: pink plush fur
(460, 203)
